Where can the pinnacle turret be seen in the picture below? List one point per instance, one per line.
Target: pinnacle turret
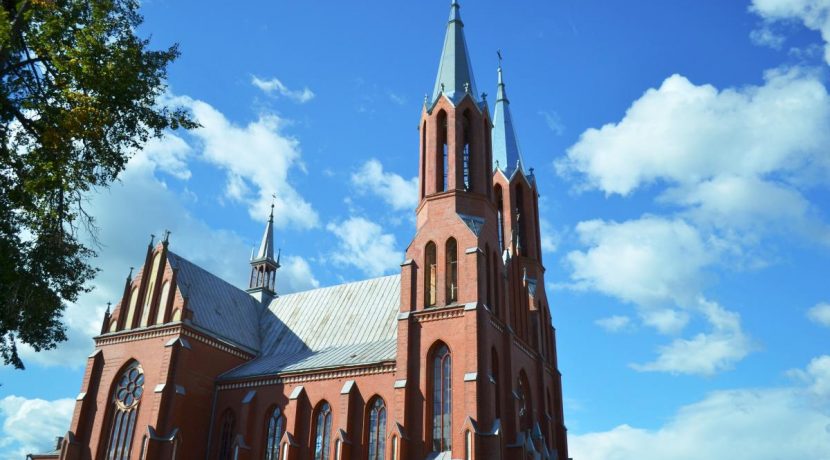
(506, 153)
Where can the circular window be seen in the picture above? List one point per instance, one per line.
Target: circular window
(130, 387)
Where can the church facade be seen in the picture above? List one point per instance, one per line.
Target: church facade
(452, 358)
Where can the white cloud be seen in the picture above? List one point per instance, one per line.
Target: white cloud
(658, 265)
(31, 425)
(742, 424)
(295, 275)
(363, 245)
(814, 14)
(275, 87)
(614, 323)
(257, 159)
(553, 121)
(705, 353)
(550, 237)
(400, 193)
(765, 36)
(685, 134)
(653, 262)
(820, 314)
(126, 214)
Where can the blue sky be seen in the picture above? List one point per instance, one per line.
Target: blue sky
(682, 151)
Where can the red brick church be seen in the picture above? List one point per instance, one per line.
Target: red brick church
(453, 358)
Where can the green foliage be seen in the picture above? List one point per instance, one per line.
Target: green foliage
(80, 93)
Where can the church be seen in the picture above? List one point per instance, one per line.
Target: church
(452, 358)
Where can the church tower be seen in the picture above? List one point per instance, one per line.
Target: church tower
(475, 335)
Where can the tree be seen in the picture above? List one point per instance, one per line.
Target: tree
(79, 94)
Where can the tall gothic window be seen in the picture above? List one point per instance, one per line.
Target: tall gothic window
(125, 399)
(423, 158)
(442, 166)
(465, 154)
(322, 432)
(496, 284)
(128, 322)
(499, 208)
(488, 272)
(430, 276)
(494, 360)
(441, 399)
(377, 430)
(226, 436)
(525, 406)
(521, 218)
(452, 270)
(276, 426)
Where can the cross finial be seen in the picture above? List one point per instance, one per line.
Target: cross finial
(498, 53)
(442, 87)
(483, 96)
(467, 87)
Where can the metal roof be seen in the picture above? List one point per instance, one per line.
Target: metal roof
(506, 153)
(345, 356)
(218, 306)
(455, 74)
(266, 247)
(345, 325)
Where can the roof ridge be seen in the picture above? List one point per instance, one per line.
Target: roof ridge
(347, 283)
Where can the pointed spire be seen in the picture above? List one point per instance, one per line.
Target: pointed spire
(455, 74)
(266, 247)
(506, 153)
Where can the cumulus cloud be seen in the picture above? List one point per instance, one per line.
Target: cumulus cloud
(814, 14)
(550, 237)
(614, 323)
(295, 275)
(820, 314)
(400, 193)
(658, 265)
(256, 159)
(741, 424)
(274, 87)
(705, 353)
(31, 425)
(682, 133)
(363, 245)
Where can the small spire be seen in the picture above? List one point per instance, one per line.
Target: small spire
(152, 239)
(109, 304)
(505, 143)
(454, 68)
(166, 240)
(130, 275)
(266, 247)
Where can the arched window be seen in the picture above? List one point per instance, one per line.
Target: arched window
(322, 432)
(423, 158)
(494, 369)
(488, 272)
(452, 270)
(430, 276)
(162, 308)
(377, 430)
(525, 406)
(226, 436)
(521, 218)
(126, 396)
(442, 167)
(496, 284)
(441, 399)
(465, 153)
(276, 426)
(500, 209)
(128, 323)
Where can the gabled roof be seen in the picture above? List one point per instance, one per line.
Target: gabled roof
(218, 307)
(349, 324)
(455, 74)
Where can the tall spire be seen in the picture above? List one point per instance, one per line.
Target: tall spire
(266, 247)
(455, 74)
(506, 153)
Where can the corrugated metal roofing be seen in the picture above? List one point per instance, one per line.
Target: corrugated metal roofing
(360, 312)
(218, 306)
(345, 356)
